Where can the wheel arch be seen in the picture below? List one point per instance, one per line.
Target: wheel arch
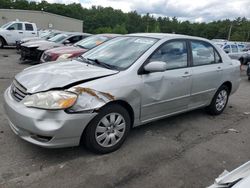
(3, 39)
(228, 84)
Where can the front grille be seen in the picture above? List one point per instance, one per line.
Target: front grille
(18, 92)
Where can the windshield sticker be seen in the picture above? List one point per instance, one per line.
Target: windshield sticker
(144, 41)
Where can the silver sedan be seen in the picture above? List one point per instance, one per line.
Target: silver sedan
(129, 81)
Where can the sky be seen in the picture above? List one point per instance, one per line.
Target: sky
(192, 10)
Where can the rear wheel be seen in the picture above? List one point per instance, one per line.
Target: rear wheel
(219, 101)
(108, 130)
(1, 42)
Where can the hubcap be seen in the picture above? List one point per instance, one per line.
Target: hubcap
(221, 100)
(110, 130)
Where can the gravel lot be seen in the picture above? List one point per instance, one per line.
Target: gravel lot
(189, 150)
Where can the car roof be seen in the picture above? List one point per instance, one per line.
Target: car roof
(166, 36)
(77, 33)
(111, 35)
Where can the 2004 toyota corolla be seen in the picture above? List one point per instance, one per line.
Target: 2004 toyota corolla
(128, 81)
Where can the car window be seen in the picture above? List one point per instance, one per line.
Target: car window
(234, 48)
(74, 39)
(174, 54)
(16, 26)
(227, 49)
(121, 52)
(29, 27)
(92, 41)
(203, 53)
(58, 38)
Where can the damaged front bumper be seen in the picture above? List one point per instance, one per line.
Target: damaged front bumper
(46, 128)
(30, 53)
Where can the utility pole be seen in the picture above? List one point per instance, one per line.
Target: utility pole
(229, 32)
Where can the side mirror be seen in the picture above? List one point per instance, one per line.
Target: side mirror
(66, 42)
(11, 28)
(156, 66)
(227, 51)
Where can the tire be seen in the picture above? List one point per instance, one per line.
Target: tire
(219, 101)
(243, 61)
(2, 42)
(249, 78)
(100, 133)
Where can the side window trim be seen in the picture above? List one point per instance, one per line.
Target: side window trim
(141, 71)
(191, 54)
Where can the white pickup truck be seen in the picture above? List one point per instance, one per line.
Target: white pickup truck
(14, 31)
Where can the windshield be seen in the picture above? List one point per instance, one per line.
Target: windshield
(45, 34)
(91, 42)
(120, 52)
(6, 25)
(58, 38)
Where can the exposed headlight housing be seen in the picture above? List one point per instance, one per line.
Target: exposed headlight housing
(51, 100)
(64, 56)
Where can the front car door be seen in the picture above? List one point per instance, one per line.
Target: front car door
(15, 33)
(207, 73)
(168, 92)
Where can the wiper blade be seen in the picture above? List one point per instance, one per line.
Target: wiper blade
(83, 59)
(96, 61)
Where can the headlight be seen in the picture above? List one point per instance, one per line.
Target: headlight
(51, 100)
(64, 56)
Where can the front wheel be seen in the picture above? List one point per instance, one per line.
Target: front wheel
(219, 101)
(108, 130)
(1, 42)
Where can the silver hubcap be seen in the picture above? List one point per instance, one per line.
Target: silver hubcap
(110, 130)
(221, 100)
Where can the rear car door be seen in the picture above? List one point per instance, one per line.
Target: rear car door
(30, 30)
(167, 92)
(207, 70)
(235, 54)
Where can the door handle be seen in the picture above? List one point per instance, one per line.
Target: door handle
(186, 75)
(20, 32)
(219, 69)
(33, 33)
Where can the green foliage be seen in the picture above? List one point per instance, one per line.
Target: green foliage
(108, 20)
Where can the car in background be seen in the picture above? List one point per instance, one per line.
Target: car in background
(33, 50)
(128, 81)
(248, 71)
(14, 31)
(43, 36)
(69, 52)
(235, 51)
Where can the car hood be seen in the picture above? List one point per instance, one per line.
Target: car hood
(59, 75)
(41, 44)
(67, 50)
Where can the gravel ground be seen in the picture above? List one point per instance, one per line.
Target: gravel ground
(189, 150)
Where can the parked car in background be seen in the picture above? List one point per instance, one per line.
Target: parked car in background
(69, 52)
(33, 50)
(130, 80)
(43, 36)
(248, 71)
(235, 51)
(14, 31)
